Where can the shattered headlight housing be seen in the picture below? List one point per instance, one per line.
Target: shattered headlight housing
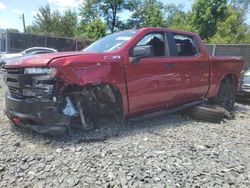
(42, 81)
(35, 70)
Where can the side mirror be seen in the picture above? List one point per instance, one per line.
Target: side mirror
(140, 52)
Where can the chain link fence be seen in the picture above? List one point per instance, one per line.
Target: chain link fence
(242, 50)
(16, 42)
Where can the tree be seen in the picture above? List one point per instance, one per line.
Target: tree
(106, 9)
(205, 16)
(177, 18)
(147, 13)
(136, 19)
(32, 29)
(247, 38)
(89, 11)
(152, 14)
(54, 23)
(43, 20)
(215, 20)
(68, 23)
(110, 9)
(46, 22)
(91, 25)
(13, 30)
(231, 30)
(95, 30)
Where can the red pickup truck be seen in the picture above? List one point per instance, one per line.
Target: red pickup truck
(122, 75)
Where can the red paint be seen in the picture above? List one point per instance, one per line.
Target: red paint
(16, 120)
(149, 84)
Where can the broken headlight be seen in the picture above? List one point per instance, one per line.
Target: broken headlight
(34, 70)
(41, 82)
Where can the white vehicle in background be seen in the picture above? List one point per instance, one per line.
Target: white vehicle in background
(30, 51)
(244, 91)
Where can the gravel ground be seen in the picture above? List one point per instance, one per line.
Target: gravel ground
(168, 151)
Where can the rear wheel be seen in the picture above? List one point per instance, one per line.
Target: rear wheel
(226, 96)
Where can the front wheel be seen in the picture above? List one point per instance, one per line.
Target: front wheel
(226, 96)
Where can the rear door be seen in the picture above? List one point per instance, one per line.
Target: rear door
(190, 68)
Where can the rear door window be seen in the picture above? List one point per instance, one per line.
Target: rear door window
(185, 45)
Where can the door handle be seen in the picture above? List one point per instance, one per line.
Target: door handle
(169, 66)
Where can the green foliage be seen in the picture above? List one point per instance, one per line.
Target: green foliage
(54, 23)
(107, 9)
(217, 21)
(231, 30)
(68, 23)
(177, 18)
(89, 10)
(152, 14)
(94, 30)
(110, 9)
(146, 13)
(45, 22)
(247, 38)
(205, 16)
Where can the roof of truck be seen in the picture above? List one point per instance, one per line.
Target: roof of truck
(165, 29)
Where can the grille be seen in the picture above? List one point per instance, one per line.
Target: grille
(15, 71)
(17, 81)
(15, 92)
(13, 82)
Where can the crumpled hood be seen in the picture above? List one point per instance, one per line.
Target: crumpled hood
(40, 60)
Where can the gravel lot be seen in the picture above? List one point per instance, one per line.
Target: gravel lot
(168, 151)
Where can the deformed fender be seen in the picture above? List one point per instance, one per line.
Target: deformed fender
(111, 73)
(84, 75)
(93, 74)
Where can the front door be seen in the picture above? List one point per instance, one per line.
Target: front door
(150, 80)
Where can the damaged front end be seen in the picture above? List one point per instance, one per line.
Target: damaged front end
(47, 105)
(31, 100)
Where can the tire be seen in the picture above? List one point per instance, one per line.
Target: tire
(207, 112)
(226, 96)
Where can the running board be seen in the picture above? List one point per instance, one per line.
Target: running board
(165, 111)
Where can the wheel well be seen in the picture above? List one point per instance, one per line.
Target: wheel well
(104, 94)
(232, 79)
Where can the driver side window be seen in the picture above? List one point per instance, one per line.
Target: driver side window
(156, 40)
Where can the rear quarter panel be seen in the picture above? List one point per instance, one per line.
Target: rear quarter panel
(220, 67)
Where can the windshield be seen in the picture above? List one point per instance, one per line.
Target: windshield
(111, 42)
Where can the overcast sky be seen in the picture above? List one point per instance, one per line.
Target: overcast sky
(11, 10)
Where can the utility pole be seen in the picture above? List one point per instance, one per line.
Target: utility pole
(24, 27)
